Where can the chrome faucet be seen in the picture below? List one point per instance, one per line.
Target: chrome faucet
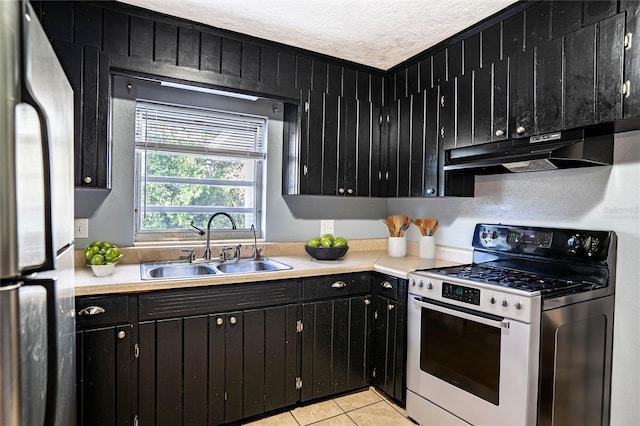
(256, 250)
(207, 250)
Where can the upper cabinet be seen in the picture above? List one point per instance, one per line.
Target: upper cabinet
(350, 130)
(538, 68)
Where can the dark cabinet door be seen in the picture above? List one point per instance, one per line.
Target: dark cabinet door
(464, 110)
(340, 146)
(104, 375)
(446, 126)
(335, 346)
(389, 336)
(482, 105)
(393, 138)
(348, 143)
(609, 68)
(417, 166)
(405, 134)
(219, 368)
(580, 83)
(631, 107)
(431, 131)
(312, 170)
(548, 104)
(383, 341)
(522, 94)
(490, 103)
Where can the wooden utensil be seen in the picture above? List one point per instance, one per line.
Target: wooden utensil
(397, 223)
(427, 226)
(389, 222)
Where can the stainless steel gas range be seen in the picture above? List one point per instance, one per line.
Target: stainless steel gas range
(522, 336)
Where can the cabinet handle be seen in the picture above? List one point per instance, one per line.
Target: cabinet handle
(442, 132)
(390, 306)
(520, 130)
(386, 175)
(232, 320)
(499, 132)
(341, 190)
(379, 175)
(626, 89)
(91, 310)
(121, 334)
(442, 101)
(431, 191)
(339, 284)
(349, 191)
(87, 179)
(219, 321)
(386, 284)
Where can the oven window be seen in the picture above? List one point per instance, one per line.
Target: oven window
(463, 353)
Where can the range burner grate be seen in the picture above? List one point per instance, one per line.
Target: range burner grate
(505, 277)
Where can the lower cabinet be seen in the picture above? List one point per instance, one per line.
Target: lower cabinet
(389, 341)
(104, 347)
(217, 368)
(219, 354)
(335, 346)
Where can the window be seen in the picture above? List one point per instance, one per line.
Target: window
(192, 162)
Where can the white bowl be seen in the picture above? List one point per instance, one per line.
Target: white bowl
(103, 270)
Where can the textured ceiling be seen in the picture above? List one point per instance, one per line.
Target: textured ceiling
(378, 33)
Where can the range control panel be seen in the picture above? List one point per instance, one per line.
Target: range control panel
(549, 243)
(485, 298)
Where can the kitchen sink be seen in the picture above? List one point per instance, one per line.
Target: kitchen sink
(165, 270)
(171, 270)
(250, 265)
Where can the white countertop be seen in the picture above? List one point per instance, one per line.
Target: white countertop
(126, 277)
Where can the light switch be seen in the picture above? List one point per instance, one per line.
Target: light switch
(81, 228)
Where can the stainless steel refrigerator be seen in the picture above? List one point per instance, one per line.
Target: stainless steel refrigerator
(37, 324)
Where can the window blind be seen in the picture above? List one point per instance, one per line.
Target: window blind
(175, 128)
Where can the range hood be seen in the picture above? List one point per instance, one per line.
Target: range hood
(558, 150)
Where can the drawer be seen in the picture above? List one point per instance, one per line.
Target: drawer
(92, 311)
(389, 286)
(336, 286)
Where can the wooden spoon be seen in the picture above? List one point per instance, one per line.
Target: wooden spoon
(397, 222)
(389, 222)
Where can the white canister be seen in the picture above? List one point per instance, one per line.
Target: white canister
(397, 246)
(427, 247)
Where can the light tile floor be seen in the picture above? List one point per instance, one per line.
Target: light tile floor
(365, 408)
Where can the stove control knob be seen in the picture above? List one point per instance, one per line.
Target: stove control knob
(421, 284)
(494, 235)
(493, 300)
(413, 283)
(430, 286)
(505, 303)
(519, 305)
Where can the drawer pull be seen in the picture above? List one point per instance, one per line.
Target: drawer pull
(121, 334)
(339, 284)
(386, 284)
(91, 310)
(219, 321)
(232, 320)
(390, 306)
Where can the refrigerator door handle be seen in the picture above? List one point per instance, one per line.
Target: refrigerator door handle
(52, 347)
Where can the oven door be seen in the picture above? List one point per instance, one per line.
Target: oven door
(481, 368)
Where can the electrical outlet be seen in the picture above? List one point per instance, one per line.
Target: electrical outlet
(326, 227)
(81, 228)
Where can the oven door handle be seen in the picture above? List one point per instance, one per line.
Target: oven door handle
(475, 318)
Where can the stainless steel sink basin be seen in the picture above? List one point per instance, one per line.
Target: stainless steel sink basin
(157, 271)
(249, 266)
(170, 270)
